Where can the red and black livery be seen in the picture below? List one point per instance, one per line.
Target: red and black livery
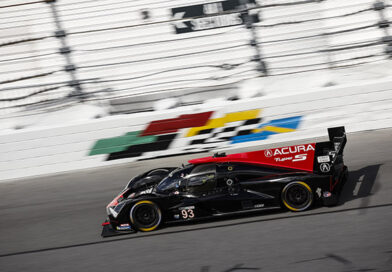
(292, 177)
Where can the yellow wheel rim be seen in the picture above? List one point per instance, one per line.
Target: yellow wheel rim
(158, 210)
(287, 204)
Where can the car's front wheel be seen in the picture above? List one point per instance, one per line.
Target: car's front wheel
(297, 196)
(145, 215)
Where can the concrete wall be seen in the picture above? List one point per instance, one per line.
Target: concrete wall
(208, 127)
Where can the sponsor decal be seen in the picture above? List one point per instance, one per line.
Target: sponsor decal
(186, 208)
(327, 194)
(193, 133)
(176, 216)
(321, 159)
(293, 149)
(325, 167)
(158, 135)
(283, 159)
(288, 150)
(318, 191)
(298, 156)
(259, 205)
(124, 227)
(268, 153)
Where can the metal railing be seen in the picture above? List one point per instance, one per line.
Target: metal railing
(114, 49)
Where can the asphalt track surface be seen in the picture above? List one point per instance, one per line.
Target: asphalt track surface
(52, 223)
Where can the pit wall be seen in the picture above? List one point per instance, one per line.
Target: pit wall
(256, 123)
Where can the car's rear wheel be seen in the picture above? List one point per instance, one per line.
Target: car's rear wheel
(297, 196)
(145, 215)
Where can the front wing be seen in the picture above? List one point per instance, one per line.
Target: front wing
(109, 231)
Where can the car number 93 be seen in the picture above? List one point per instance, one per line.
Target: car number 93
(187, 212)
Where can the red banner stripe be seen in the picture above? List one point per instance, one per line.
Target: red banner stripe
(173, 125)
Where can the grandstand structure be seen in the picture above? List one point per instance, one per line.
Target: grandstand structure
(128, 54)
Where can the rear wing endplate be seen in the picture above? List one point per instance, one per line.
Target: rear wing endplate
(328, 154)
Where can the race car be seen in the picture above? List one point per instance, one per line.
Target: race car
(291, 177)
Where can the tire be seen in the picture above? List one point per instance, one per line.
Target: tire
(297, 196)
(145, 215)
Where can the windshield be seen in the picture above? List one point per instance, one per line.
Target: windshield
(173, 180)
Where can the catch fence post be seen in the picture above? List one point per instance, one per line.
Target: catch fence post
(66, 51)
(384, 24)
(250, 19)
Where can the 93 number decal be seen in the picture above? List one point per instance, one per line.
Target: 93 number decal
(187, 213)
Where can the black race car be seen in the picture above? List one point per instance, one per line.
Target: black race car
(292, 177)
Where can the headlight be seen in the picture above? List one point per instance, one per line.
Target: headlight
(113, 212)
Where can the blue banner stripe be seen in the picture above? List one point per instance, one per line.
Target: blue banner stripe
(291, 123)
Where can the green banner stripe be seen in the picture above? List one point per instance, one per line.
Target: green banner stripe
(117, 144)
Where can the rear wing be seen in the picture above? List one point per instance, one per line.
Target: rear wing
(328, 154)
(312, 157)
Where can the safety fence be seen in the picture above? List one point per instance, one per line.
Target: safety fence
(59, 53)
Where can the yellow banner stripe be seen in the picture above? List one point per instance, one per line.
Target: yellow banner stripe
(273, 129)
(220, 122)
(241, 115)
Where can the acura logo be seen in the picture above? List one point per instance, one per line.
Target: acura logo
(268, 153)
(325, 167)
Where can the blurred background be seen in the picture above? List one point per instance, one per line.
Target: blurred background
(119, 57)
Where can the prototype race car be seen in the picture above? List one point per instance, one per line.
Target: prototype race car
(292, 177)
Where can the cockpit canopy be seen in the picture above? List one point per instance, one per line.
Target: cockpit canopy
(173, 180)
(192, 178)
